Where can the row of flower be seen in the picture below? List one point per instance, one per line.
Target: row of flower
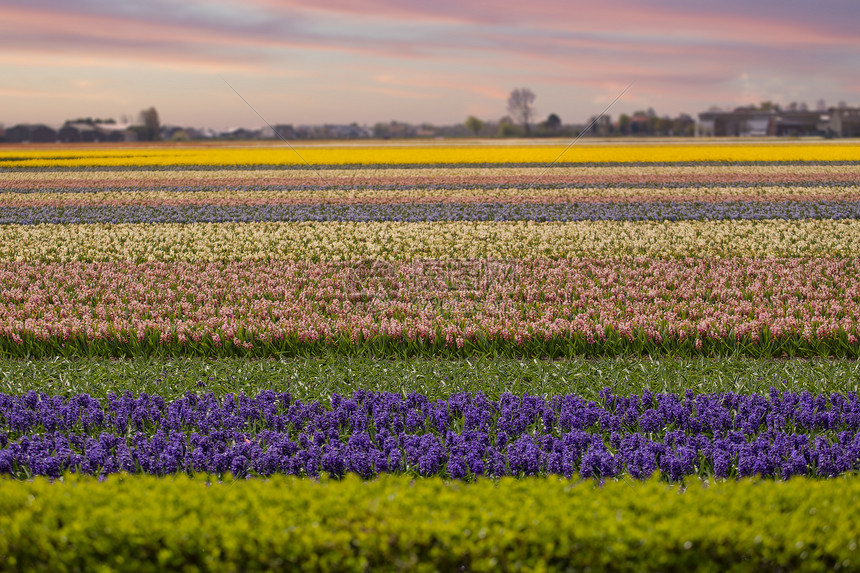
(334, 241)
(502, 176)
(363, 264)
(416, 212)
(398, 194)
(423, 154)
(463, 437)
(766, 306)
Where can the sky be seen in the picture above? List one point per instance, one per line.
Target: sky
(434, 61)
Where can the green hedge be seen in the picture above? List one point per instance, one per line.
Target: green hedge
(396, 523)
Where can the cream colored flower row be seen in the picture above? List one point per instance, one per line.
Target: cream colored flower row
(509, 194)
(342, 176)
(409, 241)
(434, 154)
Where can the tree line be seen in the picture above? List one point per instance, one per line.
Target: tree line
(522, 113)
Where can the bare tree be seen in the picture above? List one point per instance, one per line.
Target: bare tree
(520, 106)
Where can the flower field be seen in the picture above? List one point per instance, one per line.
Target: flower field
(403, 250)
(466, 436)
(432, 154)
(639, 313)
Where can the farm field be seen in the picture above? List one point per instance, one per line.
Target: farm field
(654, 317)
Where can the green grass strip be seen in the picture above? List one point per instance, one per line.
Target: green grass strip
(318, 377)
(396, 523)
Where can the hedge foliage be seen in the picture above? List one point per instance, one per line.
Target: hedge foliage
(136, 523)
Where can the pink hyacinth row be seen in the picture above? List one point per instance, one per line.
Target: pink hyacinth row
(248, 302)
(507, 196)
(441, 176)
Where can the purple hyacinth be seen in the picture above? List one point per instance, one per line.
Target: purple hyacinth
(781, 434)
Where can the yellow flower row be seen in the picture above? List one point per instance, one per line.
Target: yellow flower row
(409, 241)
(433, 154)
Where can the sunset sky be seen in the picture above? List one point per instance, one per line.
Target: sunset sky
(339, 61)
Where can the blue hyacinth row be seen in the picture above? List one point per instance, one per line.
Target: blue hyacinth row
(406, 212)
(462, 437)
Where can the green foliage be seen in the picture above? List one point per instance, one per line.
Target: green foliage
(318, 377)
(474, 125)
(507, 129)
(396, 523)
(758, 345)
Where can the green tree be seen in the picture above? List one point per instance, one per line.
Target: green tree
(662, 126)
(507, 127)
(474, 125)
(382, 130)
(553, 122)
(624, 124)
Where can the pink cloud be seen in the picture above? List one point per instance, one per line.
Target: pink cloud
(729, 23)
(683, 21)
(168, 42)
(438, 81)
(465, 55)
(547, 30)
(394, 92)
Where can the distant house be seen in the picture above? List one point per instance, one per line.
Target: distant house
(400, 130)
(240, 133)
(845, 122)
(86, 132)
(116, 132)
(638, 124)
(336, 131)
(285, 130)
(741, 122)
(79, 133)
(68, 134)
(748, 122)
(18, 133)
(351, 131)
(31, 133)
(799, 123)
